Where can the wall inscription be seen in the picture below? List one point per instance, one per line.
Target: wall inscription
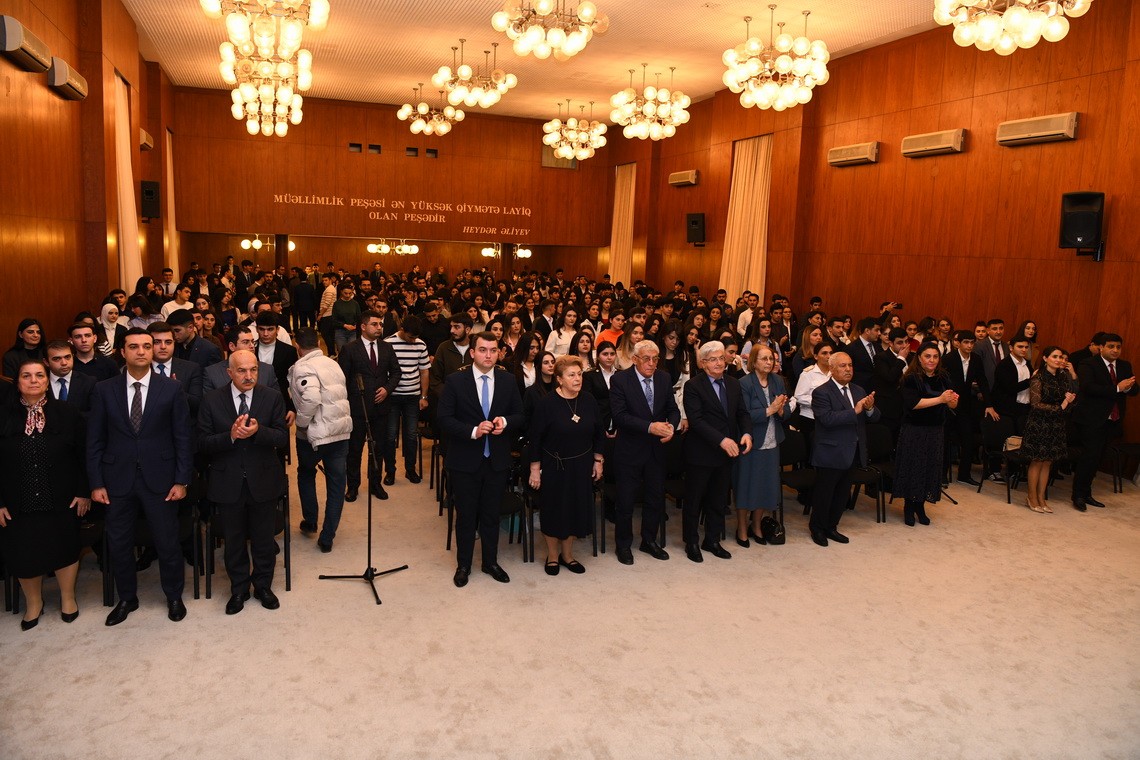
(476, 218)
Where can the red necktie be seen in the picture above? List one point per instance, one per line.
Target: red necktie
(1114, 415)
(997, 353)
(372, 354)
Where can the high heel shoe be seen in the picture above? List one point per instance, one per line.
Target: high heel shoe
(1045, 508)
(69, 617)
(920, 513)
(908, 515)
(1029, 503)
(27, 625)
(743, 542)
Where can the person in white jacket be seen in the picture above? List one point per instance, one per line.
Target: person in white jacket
(324, 425)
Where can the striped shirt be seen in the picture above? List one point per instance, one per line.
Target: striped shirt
(413, 358)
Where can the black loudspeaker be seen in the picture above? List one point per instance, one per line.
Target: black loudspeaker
(694, 228)
(151, 207)
(1081, 217)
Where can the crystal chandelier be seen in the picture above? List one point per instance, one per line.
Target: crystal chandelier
(470, 87)
(654, 113)
(1005, 25)
(428, 120)
(576, 137)
(778, 75)
(549, 27)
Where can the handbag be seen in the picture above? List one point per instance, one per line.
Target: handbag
(1013, 443)
(772, 530)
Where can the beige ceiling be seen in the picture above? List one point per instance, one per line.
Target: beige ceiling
(377, 50)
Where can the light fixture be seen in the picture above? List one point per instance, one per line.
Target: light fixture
(472, 87)
(576, 137)
(778, 75)
(428, 120)
(522, 253)
(654, 113)
(549, 27)
(491, 251)
(256, 243)
(382, 247)
(292, 246)
(404, 249)
(1005, 25)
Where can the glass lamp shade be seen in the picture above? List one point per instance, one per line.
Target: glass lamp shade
(245, 244)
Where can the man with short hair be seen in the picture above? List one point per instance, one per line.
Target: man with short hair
(544, 323)
(165, 364)
(1095, 344)
(88, 361)
(64, 383)
(1011, 383)
(992, 351)
(433, 328)
(166, 284)
(325, 324)
(239, 338)
(450, 356)
(834, 333)
(278, 354)
(181, 301)
(188, 345)
(889, 368)
(408, 398)
(744, 321)
(863, 351)
(345, 315)
(969, 381)
(1106, 382)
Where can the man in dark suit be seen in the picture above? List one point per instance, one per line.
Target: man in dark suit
(188, 345)
(140, 457)
(449, 357)
(991, 351)
(841, 414)
(1078, 357)
(1010, 393)
(968, 380)
(644, 412)
(372, 373)
(1106, 382)
(276, 353)
(88, 361)
(475, 409)
(241, 426)
(237, 339)
(889, 368)
(864, 350)
(720, 429)
(65, 383)
(544, 323)
(305, 303)
(164, 363)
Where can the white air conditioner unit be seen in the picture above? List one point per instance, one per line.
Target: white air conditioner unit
(24, 48)
(66, 81)
(146, 142)
(853, 155)
(934, 143)
(1059, 126)
(685, 178)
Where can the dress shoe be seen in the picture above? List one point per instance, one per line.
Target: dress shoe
(236, 603)
(69, 617)
(498, 573)
(122, 609)
(1079, 504)
(351, 494)
(717, 550)
(461, 576)
(175, 609)
(838, 537)
(654, 550)
(969, 481)
(693, 552)
(624, 555)
(908, 515)
(920, 513)
(1093, 502)
(325, 548)
(756, 536)
(379, 492)
(267, 598)
(819, 538)
(744, 543)
(552, 566)
(27, 625)
(390, 479)
(308, 528)
(573, 565)
(414, 477)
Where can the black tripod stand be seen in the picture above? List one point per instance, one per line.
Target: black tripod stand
(370, 573)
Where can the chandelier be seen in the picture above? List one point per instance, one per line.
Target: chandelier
(549, 27)
(778, 75)
(492, 251)
(576, 137)
(381, 247)
(256, 243)
(470, 87)
(522, 253)
(403, 249)
(428, 120)
(400, 249)
(1005, 25)
(654, 113)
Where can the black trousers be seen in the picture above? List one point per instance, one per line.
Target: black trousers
(478, 500)
(162, 519)
(647, 482)
(962, 428)
(253, 521)
(706, 491)
(1092, 439)
(327, 329)
(379, 423)
(829, 497)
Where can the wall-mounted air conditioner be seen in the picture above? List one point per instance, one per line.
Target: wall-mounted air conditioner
(24, 48)
(685, 178)
(934, 143)
(146, 142)
(66, 81)
(1058, 126)
(853, 155)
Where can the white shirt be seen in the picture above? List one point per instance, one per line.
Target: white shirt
(266, 351)
(479, 391)
(1022, 376)
(131, 389)
(170, 307)
(810, 379)
(462, 349)
(168, 364)
(743, 321)
(237, 400)
(868, 348)
(965, 364)
(67, 379)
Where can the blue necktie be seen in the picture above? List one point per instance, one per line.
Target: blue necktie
(649, 391)
(63, 389)
(161, 368)
(719, 384)
(486, 402)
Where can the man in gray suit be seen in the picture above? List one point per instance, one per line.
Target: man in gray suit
(991, 350)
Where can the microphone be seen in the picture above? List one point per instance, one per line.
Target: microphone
(359, 382)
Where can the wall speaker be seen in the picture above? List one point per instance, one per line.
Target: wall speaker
(1081, 218)
(151, 206)
(694, 228)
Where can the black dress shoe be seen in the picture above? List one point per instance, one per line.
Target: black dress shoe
(838, 537)
(969, 481)
(390, 479)
(573, 566)
(122, 609)
(267, 598)
(461, 576)
(756, 537)
(819, 538)
(552, 567)
(414, 477)
(308, 528)
(350, 495)
(325, 548)
(743, 543)
(625, 555)
(717, 550)
(69, 617)
(146, 558)
(653, 550)
(236, 603)
(498, 573)
(1079, 504)
(379, 492)
(1093, 502)
(27, 625)
(175, 609)
(693, 552)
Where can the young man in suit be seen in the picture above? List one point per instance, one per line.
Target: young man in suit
(889, 368)
(842, 412)
(276, 353)
(164, 363)
(969, 381)
(1011, 384)
(991, 351)
(188, 345)
(217, 375)
(476, 408)
(240, 428)
(645, 414)
(720, 429)
(140, 457)
(65, 384)
(864, 350)
(1106, 382)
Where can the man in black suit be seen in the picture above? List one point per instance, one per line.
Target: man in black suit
(165, 364)
(1078, 357)
(720, 429)
(1010, 392)
(372, 373)
(475, 409)
(863, 351)
(276, 353)
(305, 303)
(88, 361)
(140, 457)
(188, 345)
(544, 323)
(645, 414)
(217, 375)
(449, 357)
(889, 368)
(968, 380)
(241, 426)
(65, 383)
(1106, 382)
(991, 351)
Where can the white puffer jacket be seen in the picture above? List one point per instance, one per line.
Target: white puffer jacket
(321, 397)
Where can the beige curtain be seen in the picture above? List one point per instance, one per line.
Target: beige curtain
(130, 257)
(621, 238)
(746, 234)
(169, 226)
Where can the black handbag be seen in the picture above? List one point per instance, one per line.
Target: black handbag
(772, 530)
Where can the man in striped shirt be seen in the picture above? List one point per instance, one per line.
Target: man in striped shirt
(408, 399)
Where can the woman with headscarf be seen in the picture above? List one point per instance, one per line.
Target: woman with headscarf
(110, 332)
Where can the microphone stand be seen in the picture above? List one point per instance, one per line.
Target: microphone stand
(370, 573)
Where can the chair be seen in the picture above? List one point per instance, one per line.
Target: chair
(531, 506)
(794, 454)
(880, 446)
(1122, 453)
(187, 531)
(513, 505)
(994, 435)
(435, 460)
(214, 531)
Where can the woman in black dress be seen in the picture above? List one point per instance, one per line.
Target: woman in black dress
(43, 490)
(567, 441)
(29, 345)
(926, 395)
(1044, 440)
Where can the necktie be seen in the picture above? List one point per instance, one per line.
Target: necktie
(1114, 415)
(870, 351)
(847, 396)
(997, 353)
(720, 394)
(485, 400)
(372, 354)
(648, 383)
(63, 389)
(136, 408)
(161, 368)
(243, 407)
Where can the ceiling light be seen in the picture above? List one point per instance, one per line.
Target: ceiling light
(654, 112)
(428, 120)
(1006, 25)
(575, 138)
(778, 75)
(473, 87)
(549, 27)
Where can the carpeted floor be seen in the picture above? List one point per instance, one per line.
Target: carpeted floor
(993, 633)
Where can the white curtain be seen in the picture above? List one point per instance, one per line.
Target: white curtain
(621, 238)
(169, 226)
(745, 255)
(130, 257)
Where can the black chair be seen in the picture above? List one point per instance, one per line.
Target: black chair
(187, 531)
(513, 505)
(794, 455)
(880, 447)
(214, 531)
(1123, 453)
(994, 436)
(531, 506)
